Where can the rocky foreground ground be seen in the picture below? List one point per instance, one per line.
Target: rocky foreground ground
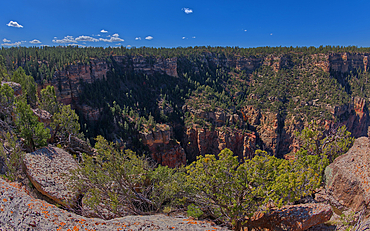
(346, 193)
(19, 211)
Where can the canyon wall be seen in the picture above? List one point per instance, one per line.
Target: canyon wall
(266, 130)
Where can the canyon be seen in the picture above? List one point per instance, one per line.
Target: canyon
(271, 131)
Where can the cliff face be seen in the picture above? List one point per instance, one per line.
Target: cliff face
(149, 65)
(200, 141)
(270, 131)
(164, 150)
(67, 82)
(348, 61)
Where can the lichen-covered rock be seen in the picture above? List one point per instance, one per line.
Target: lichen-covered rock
(348, 177)
(49, 169)
(292, 217)
(19, 211)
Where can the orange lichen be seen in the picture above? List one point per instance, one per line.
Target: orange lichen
(5, 200)
(75, 228)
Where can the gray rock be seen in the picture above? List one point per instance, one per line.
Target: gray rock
(19, 211)
(49, 171)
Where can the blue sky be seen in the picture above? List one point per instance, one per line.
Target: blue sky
(164, 23)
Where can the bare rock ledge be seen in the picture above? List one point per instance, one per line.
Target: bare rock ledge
(19, 211)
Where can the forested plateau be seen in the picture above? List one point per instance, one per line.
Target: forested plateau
(176, 104)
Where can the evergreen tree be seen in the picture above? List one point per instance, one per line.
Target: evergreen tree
(28, 126)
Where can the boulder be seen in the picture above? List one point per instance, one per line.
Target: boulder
(15, 86)
(49, 171)
(292, 217)
(43, 116)
(347, 179)
(19, 211)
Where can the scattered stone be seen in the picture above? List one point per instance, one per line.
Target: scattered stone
(49, 171)
(292, 217)
(19, 211)
(347, 179)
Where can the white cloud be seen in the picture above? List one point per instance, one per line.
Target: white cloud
(35, 41)
(6, 40)
(14, 24)
(187, 10)
(245, 30)
(193, 37)
(85, 38)
(138, 38)
(149, 37)
(113, 38)
(118, 44)
(128, 46)
(271, 34)
(183, 38)
(12, 44)
(103, 31)
(67, 39)
(99, 35)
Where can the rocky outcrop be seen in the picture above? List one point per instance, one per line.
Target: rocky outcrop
(19, 211)
(292, 217)
(149, 65)
(90, 113)
(347, 178)
(43, 116)
(77, 146)
(67, 82)
(15, 86)
(49, 169)
(170, 154)
(344, 62)
(164, 150)
(201, 141)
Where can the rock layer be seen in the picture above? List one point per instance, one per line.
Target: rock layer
(49, 169)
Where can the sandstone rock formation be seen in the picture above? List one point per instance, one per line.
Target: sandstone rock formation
(19, 211)
(201, 141)
(348, 177)
(49, 169)
(164, 150)
(292, 217)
